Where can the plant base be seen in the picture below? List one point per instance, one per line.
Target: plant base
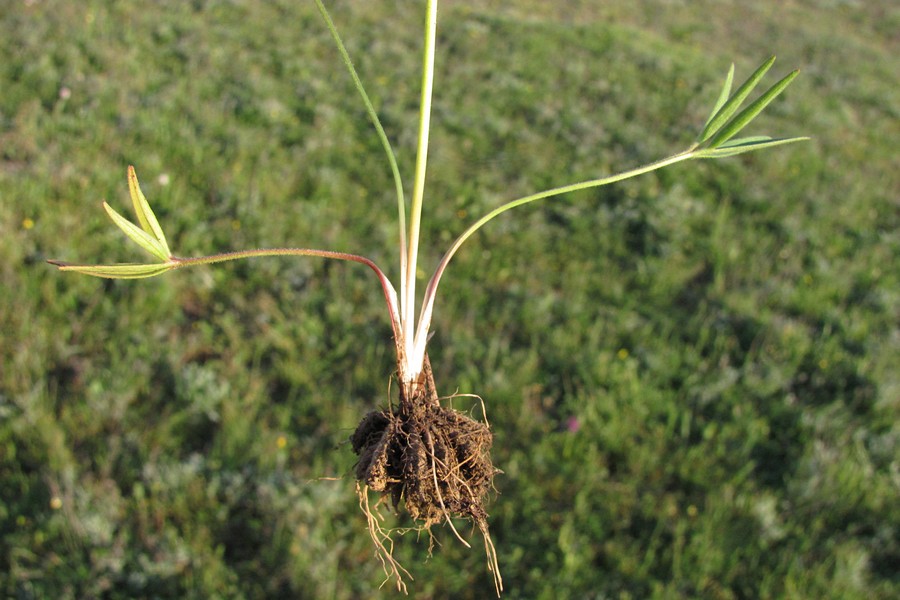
(435, 459)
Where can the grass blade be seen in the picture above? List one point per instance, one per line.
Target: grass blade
(123, 271)
(747, 144)
(723, 97)
(144, 213)
(748, 114)
(745, 140)
(137, 235)
(376, 122)
(734, 103)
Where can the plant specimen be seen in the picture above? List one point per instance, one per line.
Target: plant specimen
(433, 459)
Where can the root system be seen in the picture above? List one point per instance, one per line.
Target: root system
(432, 459)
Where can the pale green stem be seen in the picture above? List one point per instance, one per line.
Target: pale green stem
(409, 301)
(418, 356)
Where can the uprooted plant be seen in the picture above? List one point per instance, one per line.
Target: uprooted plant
(432, 459)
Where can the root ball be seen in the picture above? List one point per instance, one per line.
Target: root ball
(435, 460)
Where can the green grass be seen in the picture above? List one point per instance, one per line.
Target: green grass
(724, 334)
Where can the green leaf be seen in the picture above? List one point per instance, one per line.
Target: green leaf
(748, 114)
(144, 213)
(123, 271)
(723, 97)
(138, 235)
(734, 103)
(376, 122)
(745, 140)
(745, 144)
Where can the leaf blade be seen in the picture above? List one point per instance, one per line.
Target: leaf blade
(732, 105)
(119, 271)
(145, 214)
(720, 101)
(744, 118)
(137, 235)
(743, 145)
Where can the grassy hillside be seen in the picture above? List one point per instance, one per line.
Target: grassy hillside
(692, 377)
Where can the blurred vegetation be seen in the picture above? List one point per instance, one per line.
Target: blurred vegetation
(692, 376)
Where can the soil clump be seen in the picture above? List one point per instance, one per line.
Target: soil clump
(433, 459)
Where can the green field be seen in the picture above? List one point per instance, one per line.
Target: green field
(693, 377)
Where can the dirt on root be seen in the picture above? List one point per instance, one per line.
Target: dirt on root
(435, 460)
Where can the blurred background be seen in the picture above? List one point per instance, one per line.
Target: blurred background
(692, 377)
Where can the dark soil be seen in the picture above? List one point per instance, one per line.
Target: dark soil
(435, 460)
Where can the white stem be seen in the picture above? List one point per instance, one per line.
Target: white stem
(411, 370)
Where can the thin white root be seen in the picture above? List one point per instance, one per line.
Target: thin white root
(493, 564)
(437, 489)
(392, 569)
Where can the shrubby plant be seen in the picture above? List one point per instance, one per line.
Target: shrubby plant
(432, 458)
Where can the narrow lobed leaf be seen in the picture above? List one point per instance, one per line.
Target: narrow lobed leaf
(379, 130)
(748, 114)
(122, 271)
(748, 144)
(723, 97)
(734, 103)
(745, 140)
(145, 215)
(137, 235)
